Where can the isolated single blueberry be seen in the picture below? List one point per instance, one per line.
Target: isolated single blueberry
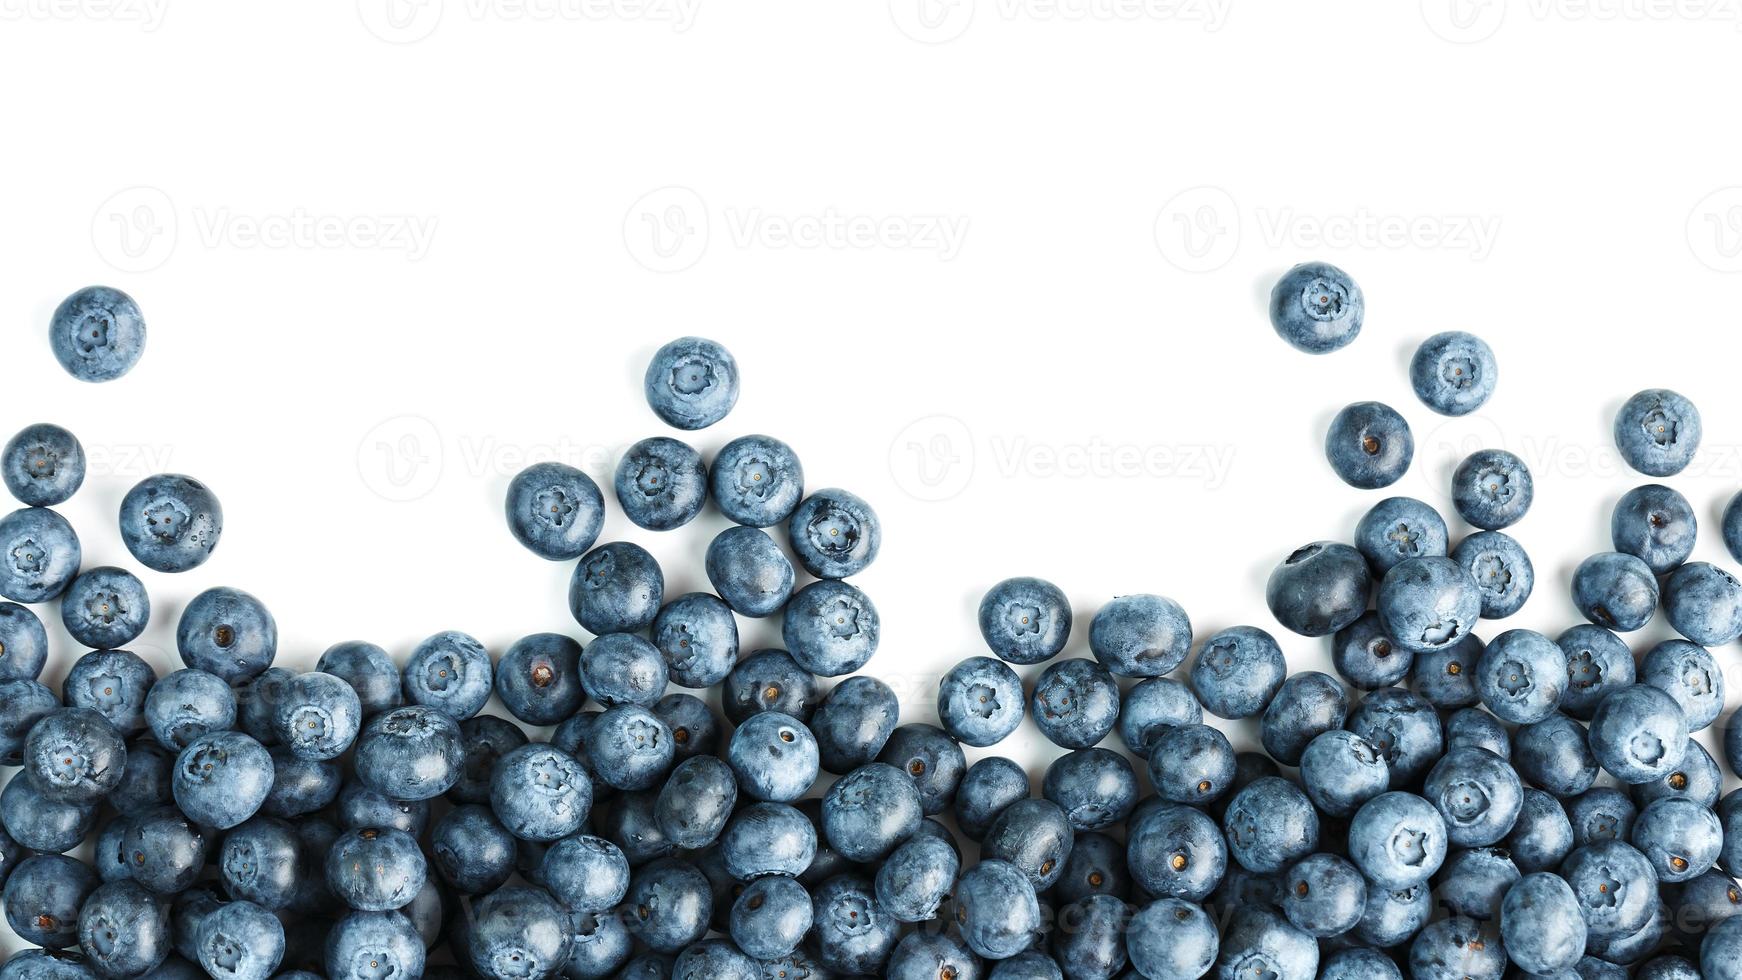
(1453, 373)
(1369, 445)
(1397, 840)
(170, 522)
(188, 704)
(555, 510)
(692, 382)
(1316, 307)
(1492, 489)
(1658, 432)
(410, 753)
(43, 465)
(97, 334)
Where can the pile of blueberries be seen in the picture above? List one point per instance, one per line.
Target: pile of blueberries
(1443, 809)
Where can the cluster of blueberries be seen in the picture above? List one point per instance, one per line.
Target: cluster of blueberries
(1449, 810)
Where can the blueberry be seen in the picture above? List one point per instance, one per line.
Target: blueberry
(451, 673)
(1477, 794)
(1032, 965)
(652, 966)
(1397, 529)
(661, 483)
(1453, 372)
(1615, 591)
(585, 873)
(714, 959)
(74, 756)
(23, 643)
(1075, 703)
(599, 944)
(1681, 838)
(1500, 568)
(146, 778)
(1397, 840)
(616, 588)
(1473, 726)
(1192, 764)
(996, 909)
(231, 634)
(834, 534)
(871, 811)
(916, 878)
(694, 729)
(1687, 673)
(980, 701)
(1473, 883)
(517, 933)
(97, 334)
(221, 779)
(240, 941)
(1393, 915)
(1669, 968)
(1428, 604)
(410, 753)
(1521, 676)
(1732, 526)
(1176, 851)
(669, 903)
(1638, 733)
(474, 853)
(1323, 895)
(39, 555)
(1404, 729)
(770, 918)
(1359, 964)
(1140, 635)
(1316, 307)
(375, 869)
(770, 680)
(170, 522)
(1657, 432)
(691, 383)
(257, 701)
(1721, 951)
(1260, 942)
(1096, 788)
(1089, 940)
(50, 964)
(1307, 705)
(852, 933)
(989, 786)
(1319, 588)
(1151, 707)
(1597, 663)
(540, 793)
(1365, 656)
(756, 481)
(1655, 524)
(620, 668)
(1555, 754)
(373, 946)
(1704, 902)
(1171, 937)
(749, 571)
(696, 801)
(853, 723)
(1369, 445)
(124, 929)
(1614, 885)
(1028, 620)
(1456, 949)
(1033, 835)
(555, 510)
(1238, 671)
(188, 704)
(360, 807)
(1703, 603)
(259, 862)
(1270, 824)
(1447, 678)
(925, 956)
(41, 824)
(319, 716)
(1492, 489)
(1341, 770)
(831, 628)
(43, 465)
(43, 897)
(774, 757)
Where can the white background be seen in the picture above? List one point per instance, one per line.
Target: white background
(998, 266)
